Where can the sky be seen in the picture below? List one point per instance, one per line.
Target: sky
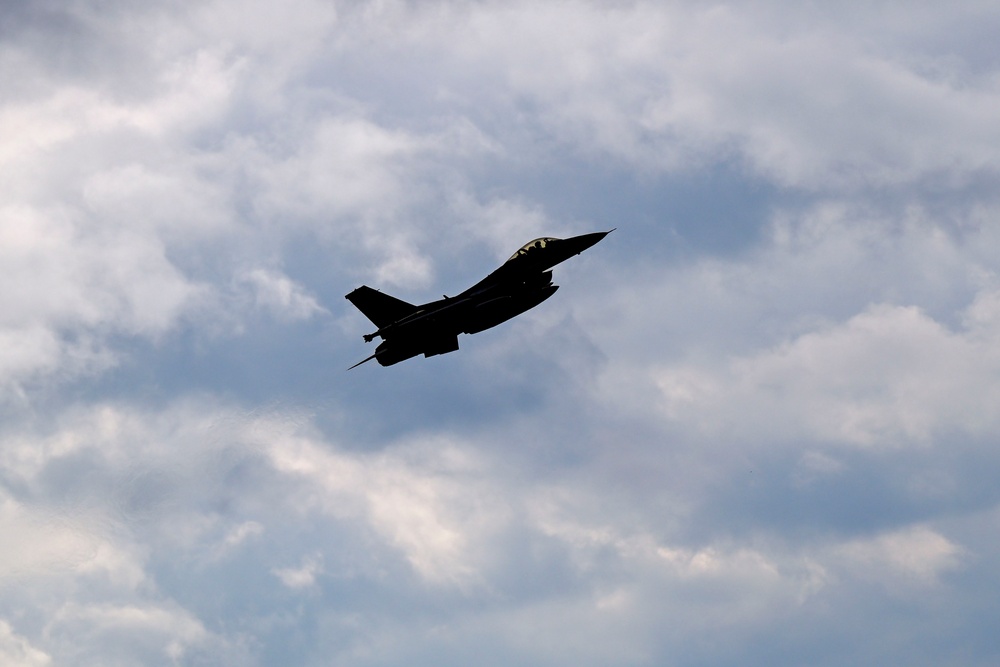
(757, 425)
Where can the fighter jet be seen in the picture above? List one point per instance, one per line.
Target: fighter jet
(521, 283)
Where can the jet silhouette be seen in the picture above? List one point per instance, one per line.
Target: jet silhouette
(521, 283)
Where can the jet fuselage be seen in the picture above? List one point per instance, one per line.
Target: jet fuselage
(521, 283)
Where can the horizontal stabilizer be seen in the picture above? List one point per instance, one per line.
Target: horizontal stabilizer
(380, 308)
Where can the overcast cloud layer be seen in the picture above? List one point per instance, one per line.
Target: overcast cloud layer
(758, 425)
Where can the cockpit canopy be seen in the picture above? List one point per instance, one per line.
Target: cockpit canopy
(532, 245)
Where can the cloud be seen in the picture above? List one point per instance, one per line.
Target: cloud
(415, 499)
(15, 650)
(61, 546)
(889, 375)
(123, 200)
(791, 432)
(275, 293)
(303, 576)
(81, 227)
(231, 498)
(917, 553)
(152, 631)
(799, 96)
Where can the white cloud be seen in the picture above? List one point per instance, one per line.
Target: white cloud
(16, 650)
(887, 376)
(104, 495)
(84, 269)
(801, 99)
(501, 222)
(137, 632)
(119, 194)
(279, 295)
(357, 184)
(286, 33)
(345, 167)
(303, 576)
(43, 543)
(243, 532)
(537, 553)
(916, 553)
(418, 501)
(845, 323)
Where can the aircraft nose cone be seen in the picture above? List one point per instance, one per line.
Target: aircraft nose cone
(585, 241)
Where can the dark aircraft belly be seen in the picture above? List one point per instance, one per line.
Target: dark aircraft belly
(501, 309)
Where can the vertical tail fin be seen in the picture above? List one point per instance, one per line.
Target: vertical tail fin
(380, 308)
